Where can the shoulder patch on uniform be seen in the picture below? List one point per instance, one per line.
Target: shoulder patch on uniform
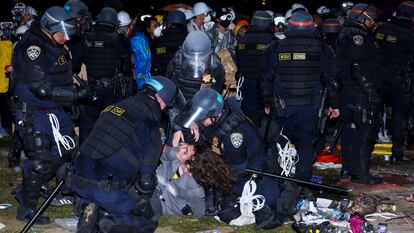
(236, 139)
(285, 56)
(33, 52)
(358, 40)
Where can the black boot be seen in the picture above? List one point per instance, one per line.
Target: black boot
(30, 193)
(211, 207)
(362, 175)
(266, 218)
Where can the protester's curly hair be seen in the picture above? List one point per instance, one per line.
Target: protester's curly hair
(210, 171)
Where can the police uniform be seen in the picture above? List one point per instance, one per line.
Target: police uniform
(302, 67)
(241, 149)
(212, 78)
(165, 48)
(124, 146)
(40, 62)
(104, 57)
(358, 56)
(395, 39)
(251, 52)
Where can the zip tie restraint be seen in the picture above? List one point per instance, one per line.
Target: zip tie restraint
(67, 142)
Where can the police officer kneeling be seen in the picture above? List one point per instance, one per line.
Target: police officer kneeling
(117, 162)
(44, 85)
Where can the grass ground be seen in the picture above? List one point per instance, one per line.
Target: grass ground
(183, 224)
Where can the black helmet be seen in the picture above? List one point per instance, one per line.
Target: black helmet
(405, 9)
(362, 11)
(165, 88)
(56, 19)
(331, 25)
(108, 16)
(175, 17)
(77, 7)
(262, 19)
(301, 20)
(204, 104)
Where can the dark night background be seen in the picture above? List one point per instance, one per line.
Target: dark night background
(242, 6)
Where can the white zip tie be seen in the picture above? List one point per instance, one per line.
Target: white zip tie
(67, 142)
(287, 156)
(248, 201)
(240, 82)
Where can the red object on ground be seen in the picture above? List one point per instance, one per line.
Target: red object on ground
(326, 157)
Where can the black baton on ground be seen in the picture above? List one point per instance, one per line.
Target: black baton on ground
(42, 208)
(304, 182)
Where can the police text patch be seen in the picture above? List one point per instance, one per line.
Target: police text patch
(236, 139)
(62, 60)
(161, 50)
(358, 40)
(285, 56)
(242, 46)
(391, 39)
(261, 47)
(299, 56)
(379, 36)
(114, 110)
(33, 52)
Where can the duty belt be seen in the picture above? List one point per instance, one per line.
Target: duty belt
(314, 101)
(103, 82)
(75, 180)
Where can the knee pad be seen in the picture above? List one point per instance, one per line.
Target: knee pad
(37, 143)
(40, 167)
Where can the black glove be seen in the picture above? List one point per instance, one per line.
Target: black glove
(410, 124)
(41, 89)
(85, 93)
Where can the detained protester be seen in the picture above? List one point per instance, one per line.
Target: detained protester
(183, 175)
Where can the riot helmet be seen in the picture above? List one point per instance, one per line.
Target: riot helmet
(262, 19)
(81, 13)
(405, 9)
(175, 17)
(165, 88)
(108, 16)
(56, 19)
(301, 20)
(206, 103)
(196, 54)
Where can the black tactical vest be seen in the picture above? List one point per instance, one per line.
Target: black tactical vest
(298, 68)
(165, 48)
(251, 51)
(102, 53)
(56, 67)
(395, 39)
(116, 124)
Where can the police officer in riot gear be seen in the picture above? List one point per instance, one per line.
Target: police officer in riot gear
(396, 41)
(330, 29)
(360, 103)
(195, 66)
(250, 57)
(234, 136)
(43, 85)
(105, 57)
(83, 24)
(172, 38)
(117, 162)
(292, 89)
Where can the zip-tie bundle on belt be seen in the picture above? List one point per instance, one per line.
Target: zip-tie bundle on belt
(287, 156)
(67, 142)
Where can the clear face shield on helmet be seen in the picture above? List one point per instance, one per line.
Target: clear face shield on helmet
(196, 64)
(190, 114)
(67, 28)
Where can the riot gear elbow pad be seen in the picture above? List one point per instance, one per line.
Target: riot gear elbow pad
(41, 89)
(146, 184)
